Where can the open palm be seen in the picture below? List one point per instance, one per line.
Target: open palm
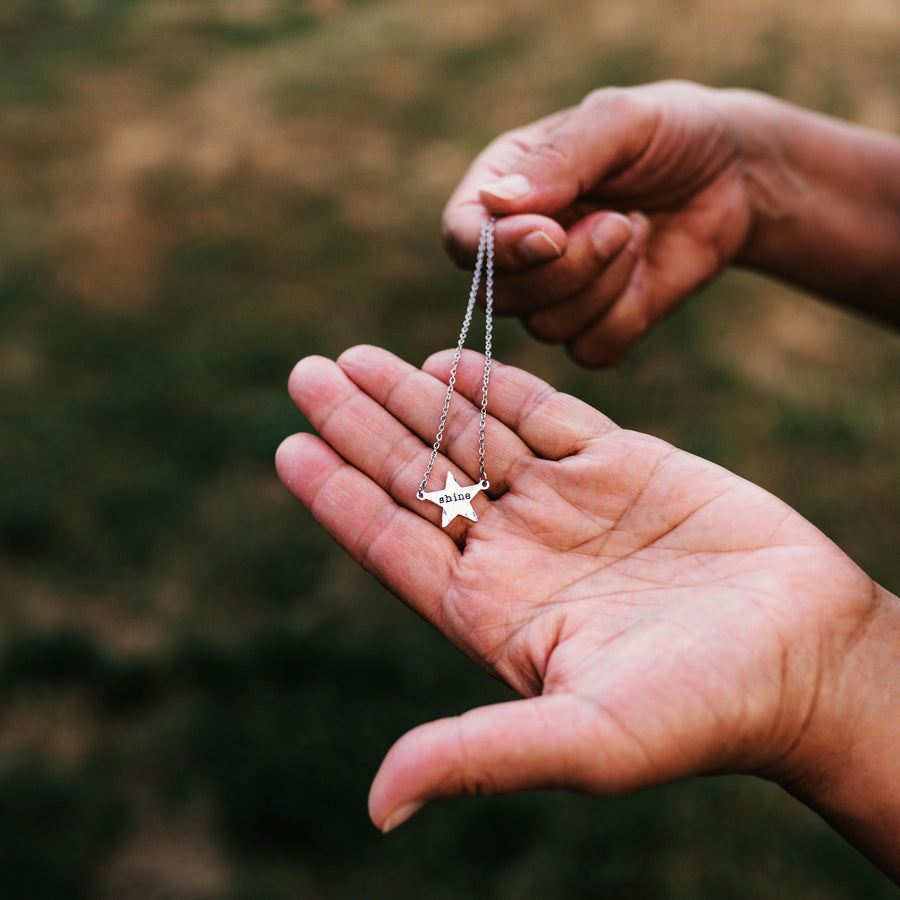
(661, 616)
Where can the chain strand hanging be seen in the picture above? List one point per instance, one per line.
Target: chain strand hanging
(455, 500)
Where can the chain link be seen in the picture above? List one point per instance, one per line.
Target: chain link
(484, 265)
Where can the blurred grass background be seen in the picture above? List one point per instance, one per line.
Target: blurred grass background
(195, 193)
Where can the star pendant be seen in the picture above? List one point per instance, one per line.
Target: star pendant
(454, 500)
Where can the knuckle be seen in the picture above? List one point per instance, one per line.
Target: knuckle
(545, 328)
(608, 99)
(639, 324)
(608, 344)
(603, 95)
(476, 783)
(591, 355)
(516, 138)
(628, 335)
(632, 104)
(557, 151)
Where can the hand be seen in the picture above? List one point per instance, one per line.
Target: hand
(613, 213)
(661, 616)
(617, 210)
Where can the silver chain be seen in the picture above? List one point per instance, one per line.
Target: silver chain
(484, 264)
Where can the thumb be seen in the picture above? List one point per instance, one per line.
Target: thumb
(608, 130)
(543, 742)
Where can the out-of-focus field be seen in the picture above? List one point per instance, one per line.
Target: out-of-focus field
(197, 687)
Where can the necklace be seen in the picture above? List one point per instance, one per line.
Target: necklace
(455, 499)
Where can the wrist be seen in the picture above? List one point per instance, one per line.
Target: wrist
(845, 762)
(773, 189)
(824, 200)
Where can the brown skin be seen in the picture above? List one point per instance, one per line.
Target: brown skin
(645, 194)
(660, 616)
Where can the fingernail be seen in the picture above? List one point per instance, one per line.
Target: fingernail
(400, 815)
(509, 187)
(537, 247)
(611, 233)
(639, 222)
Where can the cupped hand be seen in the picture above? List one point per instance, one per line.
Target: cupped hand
(612, 212)
(660, 616)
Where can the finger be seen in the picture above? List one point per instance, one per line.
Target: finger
(364, 433)
(609, 130)
(544, 742)
(416, 399)
(465, 213)
(520, 243)
(606, 341)
(567, 319)
(552, 424)
(405, 552)
(592, 244)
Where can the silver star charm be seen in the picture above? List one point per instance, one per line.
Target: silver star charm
(454, 500)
